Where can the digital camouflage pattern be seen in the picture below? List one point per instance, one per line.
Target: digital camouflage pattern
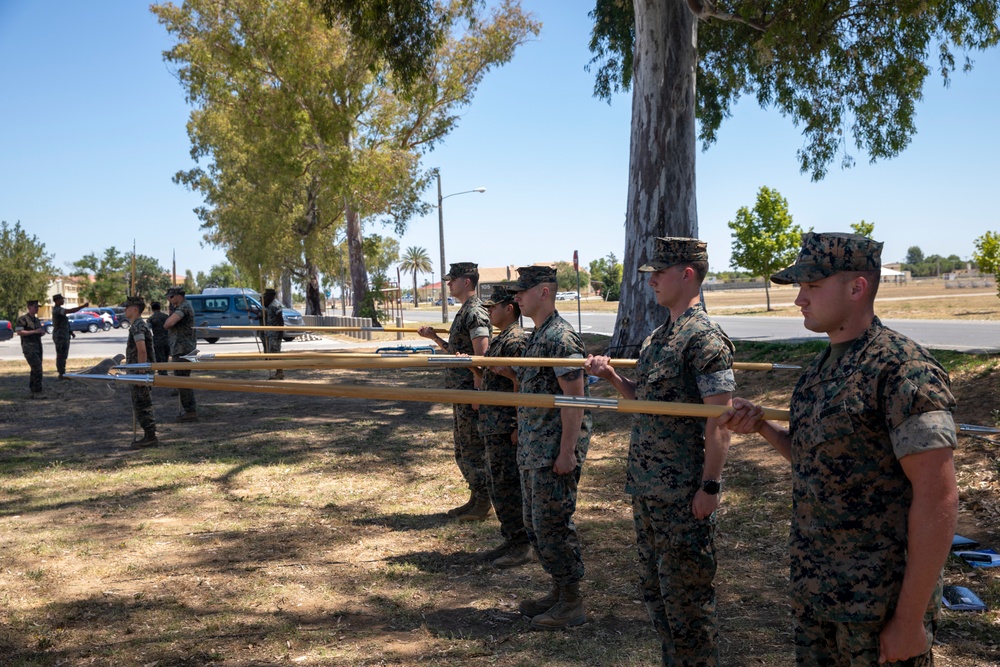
(497, 423)
(676, 568)
(142, 400)
(549, 505)
(471, 321)
(182, 335)
(183, 341)
(462, 270)
(539, 429)
(470, 452)
(161, 337)
(850, 424)
(529, 276)
(31, 347)
(671, 250)
(823, 255)
(273, 317)
(498, 419)
(60, 337)
(681, 361)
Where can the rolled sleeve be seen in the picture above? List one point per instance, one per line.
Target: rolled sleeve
(566, 370)
(479, 332)
(924, 432)
(719, 382)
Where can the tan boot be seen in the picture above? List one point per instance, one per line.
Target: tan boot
(148, 440)
(566, 613)
(462, 509)
(479, 511)
(532, 608)
(519, 554)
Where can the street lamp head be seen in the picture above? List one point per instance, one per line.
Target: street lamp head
(480, 190)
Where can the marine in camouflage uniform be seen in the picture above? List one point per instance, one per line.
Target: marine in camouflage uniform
(675, 463)
(61, 333)
(273, 317)
(874, 498)
(30, 330)
(139, 349)
(471, 327)
(183, 341)
(550, 458)
(498, 429)
(161, 337)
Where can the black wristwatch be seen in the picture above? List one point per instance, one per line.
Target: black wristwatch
(711, 486)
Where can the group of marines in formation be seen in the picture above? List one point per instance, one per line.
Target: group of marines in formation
(870, 442)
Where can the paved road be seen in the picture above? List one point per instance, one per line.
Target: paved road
(978, 336)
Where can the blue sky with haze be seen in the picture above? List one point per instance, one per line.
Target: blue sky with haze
(93, 129)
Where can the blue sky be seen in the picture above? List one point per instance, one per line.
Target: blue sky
(93, 128)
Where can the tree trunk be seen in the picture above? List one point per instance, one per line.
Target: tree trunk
(661, 191)
(415, 299)
(356, 257)
(767, 292)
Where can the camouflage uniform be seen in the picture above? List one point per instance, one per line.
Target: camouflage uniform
(496, 425)
(550, 499)
(273, 317)
(161, 337)
(60, 337)
(852, 419)
(682, 361)
(851, 422)
(183, 341)
(142, 401)
(471, 321)
(31, 346)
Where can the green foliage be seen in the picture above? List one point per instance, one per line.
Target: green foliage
(151, 279)
(25, 269)
(914, 255)
(220, 275)
(934, 265)
(416, 260)
(566, 277)
(607, 272)
(381, 252)
(863, 228)
(764, 238)
(108, 276)
(987, 255)
(847, 72)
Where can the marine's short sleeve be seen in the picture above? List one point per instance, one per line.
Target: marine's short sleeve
(924, 432)
(711, 357)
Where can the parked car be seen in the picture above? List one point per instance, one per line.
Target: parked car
(6, 330)
(567, 296)
(81, 321)
(451, 301)
(106, 318)
(228, 306)
(117, 314)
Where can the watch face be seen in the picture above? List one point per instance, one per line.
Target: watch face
(711, 487)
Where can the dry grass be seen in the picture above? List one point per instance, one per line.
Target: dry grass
(294, 529)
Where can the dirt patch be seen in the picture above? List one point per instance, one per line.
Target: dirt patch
(290, 529)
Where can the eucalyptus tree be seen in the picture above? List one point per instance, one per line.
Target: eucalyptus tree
(416, 260)
(849, 72)
(303, 129)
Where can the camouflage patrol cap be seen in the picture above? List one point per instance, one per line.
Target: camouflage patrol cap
(824, 254)
(529, 276)
(175, 291)
(462, 270)
(502, 294)
(671, 250)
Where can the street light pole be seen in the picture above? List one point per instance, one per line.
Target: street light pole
(444, 292)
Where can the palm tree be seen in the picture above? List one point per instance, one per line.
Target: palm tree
(418, 261)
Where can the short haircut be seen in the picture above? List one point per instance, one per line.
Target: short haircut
(700, 268)
(155, 305)
(473, 281)
(136, 301)
(874, 279)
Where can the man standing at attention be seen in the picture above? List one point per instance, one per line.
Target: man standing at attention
(139, 350)
(552, 446)
(60, 331)
(874, 497)
(498, 428)
(161, 338)
(30, 329)
(469, 334)
(675, 463)
(273, 317)
(180, 324)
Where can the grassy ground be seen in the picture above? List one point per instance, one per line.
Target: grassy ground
(301, 530)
